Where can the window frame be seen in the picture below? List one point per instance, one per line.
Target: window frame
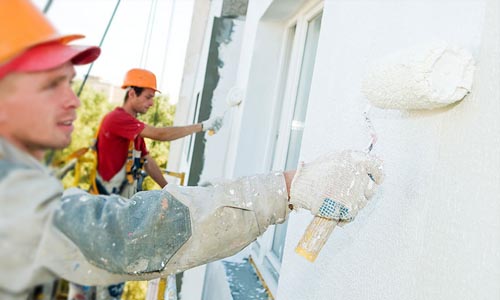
(291, 60)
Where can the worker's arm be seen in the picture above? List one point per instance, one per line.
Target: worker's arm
(177, 132)
(92, 240)
(154, 171)
(108, 239)
(156, 233)
(169, 133)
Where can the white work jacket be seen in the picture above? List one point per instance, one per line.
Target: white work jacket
(46, 232)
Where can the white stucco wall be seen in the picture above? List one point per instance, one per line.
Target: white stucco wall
(177, 160)
(217, 145)
(433, 229)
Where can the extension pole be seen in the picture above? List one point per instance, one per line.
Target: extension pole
(47, 6)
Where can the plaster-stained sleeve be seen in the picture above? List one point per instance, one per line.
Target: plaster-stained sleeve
(103, 240)
(125, 236)
(228, 216)
(46, 233)
(426, 77)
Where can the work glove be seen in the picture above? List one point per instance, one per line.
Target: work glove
(336, 185)
(212, 124)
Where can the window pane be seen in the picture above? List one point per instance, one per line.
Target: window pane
(299, 116)
(306, 72)
(279, 240)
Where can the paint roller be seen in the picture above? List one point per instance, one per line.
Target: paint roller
(421, 78)
(233, 98)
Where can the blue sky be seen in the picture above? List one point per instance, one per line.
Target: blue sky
(130, 42)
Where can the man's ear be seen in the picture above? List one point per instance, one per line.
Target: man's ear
(131, 93)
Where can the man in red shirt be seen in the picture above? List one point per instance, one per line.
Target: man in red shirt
(122, 152)
(121, 136)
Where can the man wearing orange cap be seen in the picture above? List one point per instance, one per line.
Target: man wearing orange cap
(46, 232)
(122, 151)
(120, 142)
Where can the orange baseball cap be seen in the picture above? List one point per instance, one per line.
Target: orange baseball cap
(30, 43)
(48, 56)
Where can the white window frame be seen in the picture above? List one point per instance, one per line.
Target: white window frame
(266, 261)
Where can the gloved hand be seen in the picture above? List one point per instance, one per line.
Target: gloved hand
(214, 123)
(336, 185)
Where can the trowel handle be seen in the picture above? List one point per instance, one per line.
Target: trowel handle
(315, 237)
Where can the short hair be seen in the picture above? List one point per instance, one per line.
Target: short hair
(137, 90)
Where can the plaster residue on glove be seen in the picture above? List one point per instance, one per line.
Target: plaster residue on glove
(347, 178)
(424, 78)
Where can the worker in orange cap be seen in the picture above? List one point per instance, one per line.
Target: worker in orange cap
(120, 143)
(47, 232)
(122, 153)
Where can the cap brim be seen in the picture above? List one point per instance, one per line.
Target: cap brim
(144, 87)
(64, 39)
(51, 55)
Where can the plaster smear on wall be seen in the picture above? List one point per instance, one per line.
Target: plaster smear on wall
(426, 77)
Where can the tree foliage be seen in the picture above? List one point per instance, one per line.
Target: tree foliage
(161, 114)
(135, 290)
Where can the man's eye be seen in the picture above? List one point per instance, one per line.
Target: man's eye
(55, 83)
(52, 84)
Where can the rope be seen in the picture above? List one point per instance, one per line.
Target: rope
(149, 33)
(100, 45)
(167, 43)
(47, 6)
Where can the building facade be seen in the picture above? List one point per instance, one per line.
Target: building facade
(296, 68)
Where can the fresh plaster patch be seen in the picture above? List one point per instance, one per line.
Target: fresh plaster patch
(427, 77)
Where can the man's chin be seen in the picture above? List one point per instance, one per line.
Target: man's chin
(61, 145)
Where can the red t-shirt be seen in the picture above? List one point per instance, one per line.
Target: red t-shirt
(117, 129)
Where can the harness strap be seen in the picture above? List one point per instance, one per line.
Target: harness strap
(129, 164)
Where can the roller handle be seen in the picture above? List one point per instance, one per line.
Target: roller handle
(315, 237)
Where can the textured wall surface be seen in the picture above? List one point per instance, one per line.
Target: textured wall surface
(226, 52)
(433, 229)
(234, 8)
(221, 64)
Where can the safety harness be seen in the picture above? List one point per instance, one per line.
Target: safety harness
(133, 167)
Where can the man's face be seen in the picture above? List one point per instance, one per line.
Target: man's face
(144, 101)
(37, 110)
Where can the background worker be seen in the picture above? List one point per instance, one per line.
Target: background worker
(151, 235)
(120, 141)
(122, 153)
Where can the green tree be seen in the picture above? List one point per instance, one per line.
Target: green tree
(160, 115)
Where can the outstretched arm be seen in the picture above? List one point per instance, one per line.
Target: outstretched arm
(91, 239)
(156, 233)
(169, 133)
(177, 132)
